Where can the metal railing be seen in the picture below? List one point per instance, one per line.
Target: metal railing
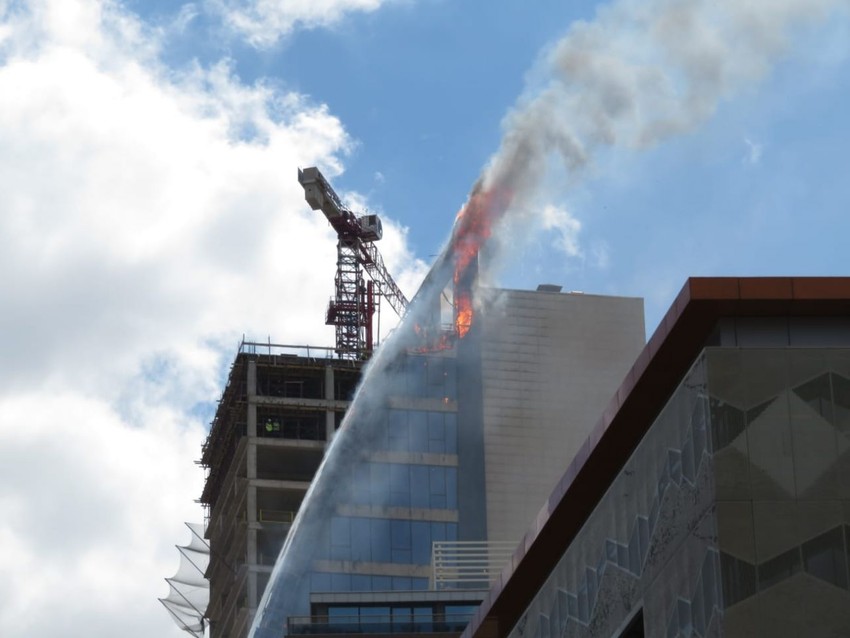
(468, 563)
(276, 516)
(269, 348)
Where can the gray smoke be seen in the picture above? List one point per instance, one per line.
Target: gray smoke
(638, 74)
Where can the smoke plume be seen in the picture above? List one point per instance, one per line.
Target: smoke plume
(636, 75)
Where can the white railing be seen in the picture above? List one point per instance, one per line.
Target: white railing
(468, 564)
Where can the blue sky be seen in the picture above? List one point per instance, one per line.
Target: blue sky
(151, 215)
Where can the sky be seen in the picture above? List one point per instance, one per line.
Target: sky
(150, 216)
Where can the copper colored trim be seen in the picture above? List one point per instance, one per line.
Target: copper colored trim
(665, 359)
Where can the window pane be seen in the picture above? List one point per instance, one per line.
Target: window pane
(380, 540)
(421, 538)
(451, 488)
(419, 490)
(824, 558)
(450, 420)
(400, 534)
(418, 431)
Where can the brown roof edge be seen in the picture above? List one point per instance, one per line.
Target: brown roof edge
(656, 373)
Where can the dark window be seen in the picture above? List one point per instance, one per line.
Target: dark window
(738, 579)
(817, 394)
(841, 405)
(727, 422)
(779, 568)
(635, 628)
(824, 558)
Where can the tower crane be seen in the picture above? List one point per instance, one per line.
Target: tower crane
(356, 301)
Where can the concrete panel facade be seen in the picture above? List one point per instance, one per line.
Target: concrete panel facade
(550, 362)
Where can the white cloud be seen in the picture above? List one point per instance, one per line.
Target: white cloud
(567, 229)
(264, 22)
(90, 502)
(754, 151)
(600, 255)
(150, 218)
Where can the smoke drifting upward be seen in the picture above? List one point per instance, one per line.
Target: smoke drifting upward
(640, 73)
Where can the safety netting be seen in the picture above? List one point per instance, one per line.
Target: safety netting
(189, 590)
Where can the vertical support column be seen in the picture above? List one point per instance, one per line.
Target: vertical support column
(330, 417)
(251, 490)
(251, 382)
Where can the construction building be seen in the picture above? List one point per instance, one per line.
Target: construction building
(712, 498)
(278, 411)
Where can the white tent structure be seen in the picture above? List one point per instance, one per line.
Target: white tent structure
(189, 592)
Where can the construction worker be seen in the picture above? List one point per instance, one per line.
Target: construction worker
(272, 427)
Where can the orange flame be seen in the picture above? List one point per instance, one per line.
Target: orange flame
(473, 228)
(463, 313)
(444, 341)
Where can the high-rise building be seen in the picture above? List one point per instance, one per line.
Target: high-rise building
(278, 411)
(442, 455)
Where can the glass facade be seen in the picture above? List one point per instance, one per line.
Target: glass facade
(391, 492)
(732, 516)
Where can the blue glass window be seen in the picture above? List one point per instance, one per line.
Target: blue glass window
(401, 542)
(436, 433)
(437, 483)
(380, 538)
(421, 539)
(451, 488)
(398, 434)
(418, 431)
(341, 582)
(399, 485)
(401, 583)
(361, 539)
(420, 494)
(340, 538)
(382, 583)
(450, 420)
(320, 582)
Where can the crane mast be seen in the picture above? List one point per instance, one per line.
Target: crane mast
(356, 301)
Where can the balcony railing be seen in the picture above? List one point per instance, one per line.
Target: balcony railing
(468, 564)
